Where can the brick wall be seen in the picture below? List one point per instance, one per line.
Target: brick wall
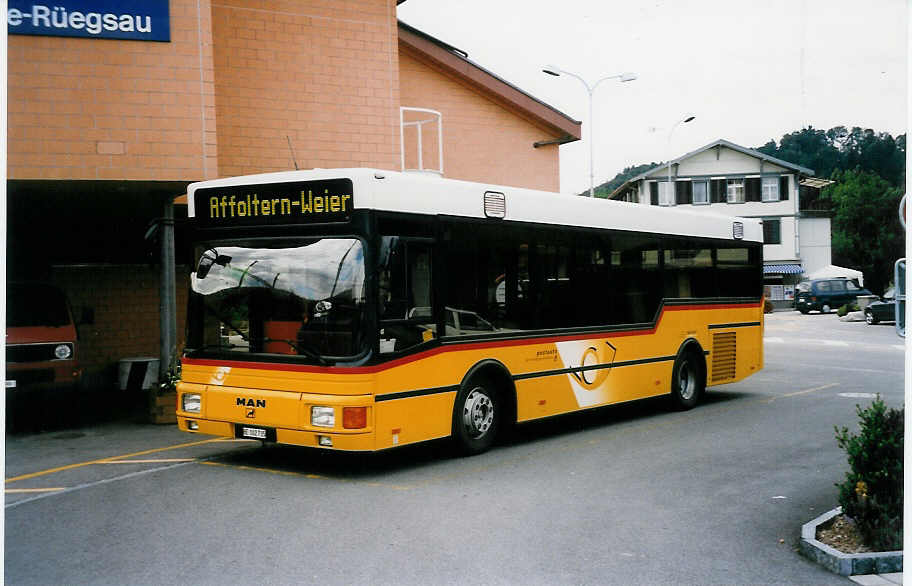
(125, 300)
(114, 109)
(322, 74)
(483, 140)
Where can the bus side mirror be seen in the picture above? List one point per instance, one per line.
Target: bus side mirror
(207, 260)
(205, 263)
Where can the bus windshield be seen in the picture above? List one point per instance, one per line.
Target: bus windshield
(302, 298)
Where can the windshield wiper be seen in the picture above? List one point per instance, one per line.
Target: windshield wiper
(300, 350)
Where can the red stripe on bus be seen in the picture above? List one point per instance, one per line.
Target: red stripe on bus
(455, 347)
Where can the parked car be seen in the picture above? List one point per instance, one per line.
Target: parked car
(41, 344)
(824, 295)
(883, 310)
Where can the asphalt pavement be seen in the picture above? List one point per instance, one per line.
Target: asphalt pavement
(628, 494)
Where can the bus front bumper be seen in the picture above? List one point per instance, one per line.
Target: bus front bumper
(355, 442)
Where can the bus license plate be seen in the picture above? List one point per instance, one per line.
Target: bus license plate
(11, 384)
(253, 432)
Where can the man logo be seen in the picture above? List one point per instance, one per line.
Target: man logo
(242, 402)
(251, 414)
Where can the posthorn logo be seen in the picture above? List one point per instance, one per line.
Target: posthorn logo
(146, 20)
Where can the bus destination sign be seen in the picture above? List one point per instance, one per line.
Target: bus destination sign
(272, 204)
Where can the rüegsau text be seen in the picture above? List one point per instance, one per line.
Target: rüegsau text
(145, 20)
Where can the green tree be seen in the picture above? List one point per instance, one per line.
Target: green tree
(605, 189)
(877, 152)
(840, 148)
(866, 231)
(808, 147)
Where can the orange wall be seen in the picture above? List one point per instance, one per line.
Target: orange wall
(324, 74)
(328, 76)
(483, 141)
(114, 109)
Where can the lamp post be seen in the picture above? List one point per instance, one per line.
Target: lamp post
(590, 89)
(687, 118)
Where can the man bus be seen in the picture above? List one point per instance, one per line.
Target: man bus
(358, 309)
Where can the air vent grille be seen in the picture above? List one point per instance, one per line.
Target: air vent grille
(495, 204)
(723, 356)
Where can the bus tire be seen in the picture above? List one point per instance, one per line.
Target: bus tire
(477, 415)
(688, 380)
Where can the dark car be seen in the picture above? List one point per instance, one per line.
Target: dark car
(824, 295)
(884, 310)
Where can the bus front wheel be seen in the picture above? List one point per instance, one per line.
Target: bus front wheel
(477, 414)
(688, 380)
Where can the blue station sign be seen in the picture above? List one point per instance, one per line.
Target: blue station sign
(138, 20)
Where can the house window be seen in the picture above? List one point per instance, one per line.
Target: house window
(700, 192)
(735, 191)
(772, 231)
(666, 193)
(770, 189)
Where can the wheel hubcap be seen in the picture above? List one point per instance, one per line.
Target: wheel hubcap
(686, 381)
(477, 413)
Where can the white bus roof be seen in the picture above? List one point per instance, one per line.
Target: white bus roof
(421, 193)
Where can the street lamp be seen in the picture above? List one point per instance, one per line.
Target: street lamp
(622, 77)
(687, 118)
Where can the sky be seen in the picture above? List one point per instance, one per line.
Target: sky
(749, 71)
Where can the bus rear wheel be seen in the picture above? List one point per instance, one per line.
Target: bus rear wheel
(477, 415)
(688, 380)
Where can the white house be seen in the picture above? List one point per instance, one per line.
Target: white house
(725, 178)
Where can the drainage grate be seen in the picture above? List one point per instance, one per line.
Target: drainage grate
(723, 356)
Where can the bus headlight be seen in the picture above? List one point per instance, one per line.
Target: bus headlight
(323, 416)
(191, 402)
(63, 351)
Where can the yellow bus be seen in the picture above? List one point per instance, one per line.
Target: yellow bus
(357, 309)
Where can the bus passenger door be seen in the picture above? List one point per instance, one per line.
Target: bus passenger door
(406, 293)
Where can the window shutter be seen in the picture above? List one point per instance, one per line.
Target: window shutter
(783, 188)
(681, 192)
(717, 191)
(752, 189)
(772, 231)
(654, 193)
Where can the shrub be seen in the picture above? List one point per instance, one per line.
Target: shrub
(872, 493)
(842, 311)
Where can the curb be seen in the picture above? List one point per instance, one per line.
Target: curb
(845, 564)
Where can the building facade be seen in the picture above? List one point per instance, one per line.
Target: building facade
(725, 178)
(107, 127)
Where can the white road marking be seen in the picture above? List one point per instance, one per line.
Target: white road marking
(810, 342)
(96, 483)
